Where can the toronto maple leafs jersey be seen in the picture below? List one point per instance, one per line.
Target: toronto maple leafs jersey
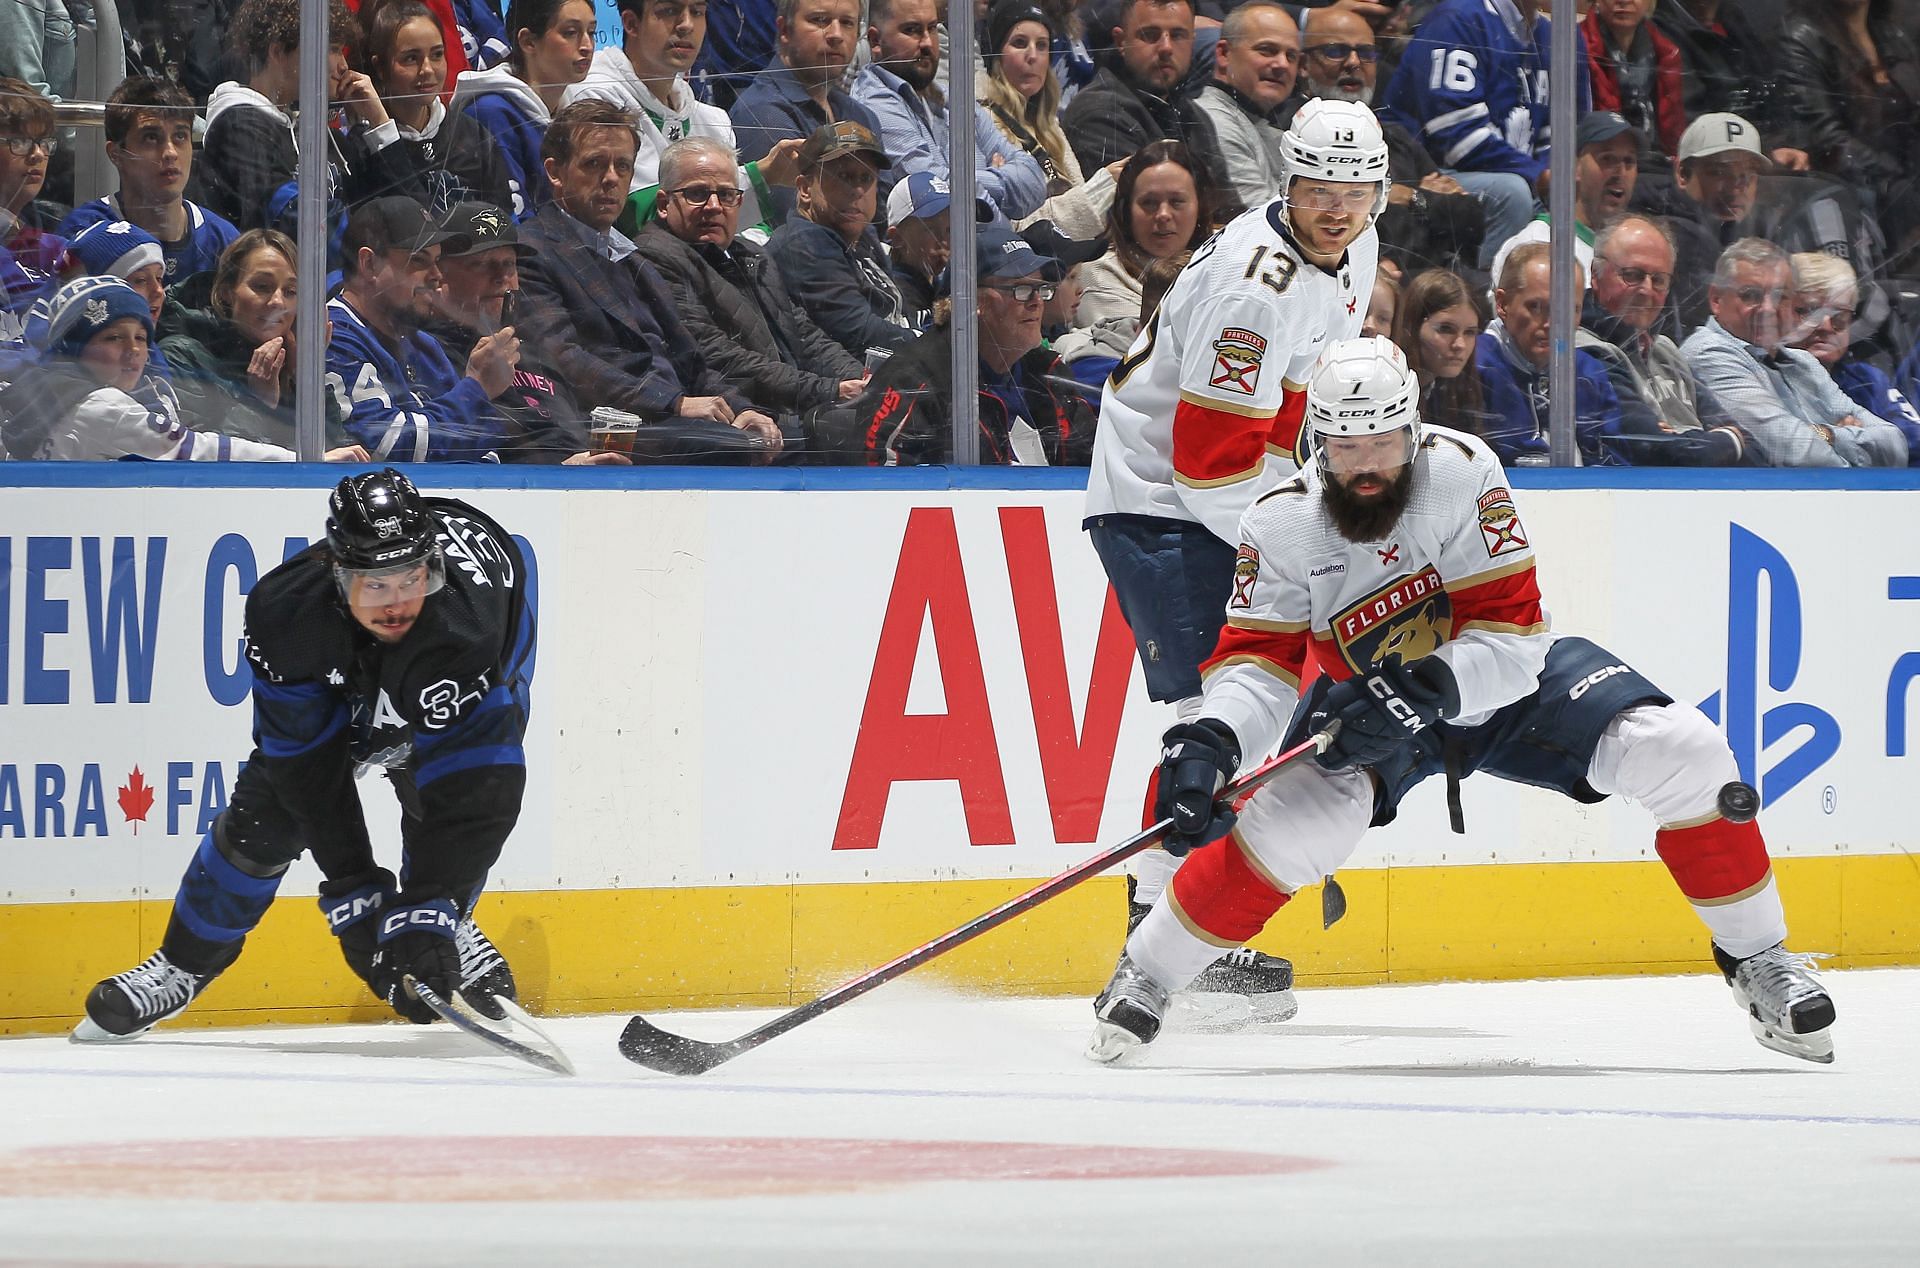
(1454, 578)
(446, 706)
(1203, 414)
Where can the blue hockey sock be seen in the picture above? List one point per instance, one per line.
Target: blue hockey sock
(217, 901)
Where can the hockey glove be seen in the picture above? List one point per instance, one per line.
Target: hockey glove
(352, 906)
(417, 941)
(1197, 758)
(1383, 709)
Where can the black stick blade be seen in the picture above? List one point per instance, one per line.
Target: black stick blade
(646, 1044)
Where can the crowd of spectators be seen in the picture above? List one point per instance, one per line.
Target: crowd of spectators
(722, 232)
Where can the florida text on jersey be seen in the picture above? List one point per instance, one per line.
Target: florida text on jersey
(1203, 414)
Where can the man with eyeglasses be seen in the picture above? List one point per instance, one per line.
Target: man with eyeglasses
(1620, 327)
(1818, 316)
(730, 293)
(1233, 122)
(31, 257)
(1431, 220)
(1030, 411)
(1780, 396)
(1130, 101)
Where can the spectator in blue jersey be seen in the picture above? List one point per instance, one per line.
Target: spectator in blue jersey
(148, 125)
(799, 92)
(740, 41)
(1513, 356)
(1817, 316)
(483, 33)
(1129, 103)
(605, 319)
(404, 400)
(405, 54)
(250, 164)
(901, 87)
(1472, 84)
(552, 51)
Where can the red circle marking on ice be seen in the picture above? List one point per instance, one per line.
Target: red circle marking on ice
(579, 1168)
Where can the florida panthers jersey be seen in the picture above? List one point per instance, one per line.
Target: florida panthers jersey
(1203, 414)
(1454, 578)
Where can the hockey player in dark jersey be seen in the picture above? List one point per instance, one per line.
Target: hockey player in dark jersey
(404, 640)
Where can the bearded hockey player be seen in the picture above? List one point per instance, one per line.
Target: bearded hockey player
(1203, 415)
(404, 640)
(1399, 564)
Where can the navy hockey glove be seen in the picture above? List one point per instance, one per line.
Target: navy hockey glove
(1383, 709)
(1197, 758)
(352, 906)
(417, 941)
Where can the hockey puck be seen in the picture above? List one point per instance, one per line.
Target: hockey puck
(1739, 803)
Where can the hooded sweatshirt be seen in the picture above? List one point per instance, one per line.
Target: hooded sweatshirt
(512, 113)
(460, 161)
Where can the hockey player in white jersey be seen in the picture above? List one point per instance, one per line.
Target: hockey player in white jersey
(1399, 565)
(1202, 416)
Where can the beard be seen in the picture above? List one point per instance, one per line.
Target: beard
(1369, 519)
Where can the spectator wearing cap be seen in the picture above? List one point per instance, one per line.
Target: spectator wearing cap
(1234, 121)
(92, 398)
(1603, 181)
(1818, 317)
(1718, 170)
(604, 317)
(830, 254)
(115, 248)
(229, 339)
(1781, 397)
(1620, 327)
(148, 124)
(480, 276)
(1431, 221)
(1021, 92)
(405, 401)
(901, 87)
(1473, 84)
(919, 241)
(730, 292)
(1129, 103)
(646, 77)
(800, 90)
(1030, 413)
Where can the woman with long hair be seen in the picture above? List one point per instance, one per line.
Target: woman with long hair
(1021, 91)
(1163, 204)
(405, 54)
(552, 50)
(1438, 327)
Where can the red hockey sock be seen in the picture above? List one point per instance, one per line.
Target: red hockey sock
(1221, 897)
(1714, 861)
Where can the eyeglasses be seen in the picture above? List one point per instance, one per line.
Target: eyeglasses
(1348, 198)
(1754, 296)
(1337, 53)
(1640, 277)
(25, 145)
(1026, 292)
(701, 195)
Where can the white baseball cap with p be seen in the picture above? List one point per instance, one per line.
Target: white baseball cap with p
(1718, 134)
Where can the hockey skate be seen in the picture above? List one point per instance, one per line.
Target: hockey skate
(1786, 1006)
(128, 1005)
(483, 970)
(1127, 1014)
(1264, 981)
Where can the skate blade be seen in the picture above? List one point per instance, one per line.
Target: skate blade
(89, 1032)
(1114, 1045)
(1816, 1047)
(515, 1033)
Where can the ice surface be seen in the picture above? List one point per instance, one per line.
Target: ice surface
(1619, 1121)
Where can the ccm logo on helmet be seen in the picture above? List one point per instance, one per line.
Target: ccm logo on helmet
(1594, 679)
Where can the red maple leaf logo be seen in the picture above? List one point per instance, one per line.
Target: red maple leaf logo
(136, 798)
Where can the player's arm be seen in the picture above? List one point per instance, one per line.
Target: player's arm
(1442, 88)
(1252, 680)
(1501, 632)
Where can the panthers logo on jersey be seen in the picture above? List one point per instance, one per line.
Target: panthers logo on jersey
(1403, 621)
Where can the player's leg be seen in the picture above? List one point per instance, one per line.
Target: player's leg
(1295, 831)
(1172, 580)
(227, 888)
(1674, 762)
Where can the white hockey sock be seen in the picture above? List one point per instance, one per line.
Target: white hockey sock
(1151, 872)
(1747, 926)
(1168, 952)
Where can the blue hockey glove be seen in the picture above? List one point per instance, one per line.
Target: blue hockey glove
(1383, 709)
(417, 941)
(1196, 759)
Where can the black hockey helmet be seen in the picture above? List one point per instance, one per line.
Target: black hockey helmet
(379, 523)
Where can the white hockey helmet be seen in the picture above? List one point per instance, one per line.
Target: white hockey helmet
(1362, 387)
(1335, 141)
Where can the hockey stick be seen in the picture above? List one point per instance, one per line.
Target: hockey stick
(517, 1034)
(648, 1045)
